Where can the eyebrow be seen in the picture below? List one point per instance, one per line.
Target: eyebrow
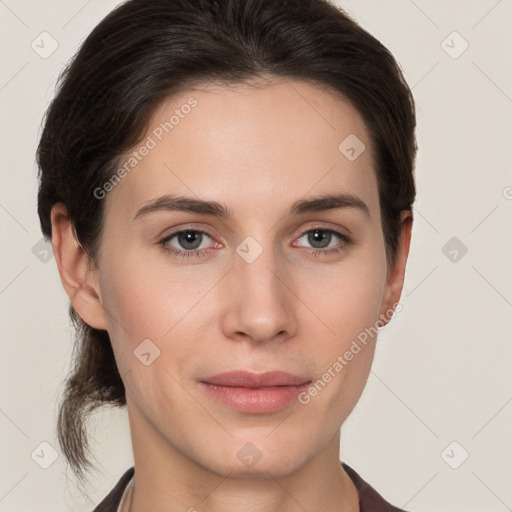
(171, 202)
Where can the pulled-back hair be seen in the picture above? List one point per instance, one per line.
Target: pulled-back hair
(147, 50)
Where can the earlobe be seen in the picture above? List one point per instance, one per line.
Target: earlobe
(79, 281)
(396, 273)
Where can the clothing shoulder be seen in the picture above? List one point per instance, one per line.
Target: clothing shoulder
(369, 499)
(111, 502)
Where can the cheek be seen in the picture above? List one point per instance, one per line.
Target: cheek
(348, 302)
(147, 301)
(134, 299)
(348, 299)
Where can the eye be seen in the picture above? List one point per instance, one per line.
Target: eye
(193, 242)
(190, 240)
(321, 238)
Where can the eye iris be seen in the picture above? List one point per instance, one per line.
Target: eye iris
(189, 237)
(319, 235)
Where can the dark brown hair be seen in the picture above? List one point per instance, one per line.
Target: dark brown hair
(146, 50)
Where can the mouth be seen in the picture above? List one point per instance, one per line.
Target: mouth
(255, 392)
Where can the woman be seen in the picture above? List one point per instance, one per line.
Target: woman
(228, 187)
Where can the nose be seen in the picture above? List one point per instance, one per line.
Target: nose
(260, 306)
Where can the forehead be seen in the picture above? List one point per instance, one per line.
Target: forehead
(250, 145)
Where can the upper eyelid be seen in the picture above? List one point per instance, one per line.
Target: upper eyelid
(343, 238)
(171, 235)
(311, 225)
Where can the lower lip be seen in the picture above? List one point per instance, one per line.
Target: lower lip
(255, 400)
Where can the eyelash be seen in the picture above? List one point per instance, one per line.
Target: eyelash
(346, 241)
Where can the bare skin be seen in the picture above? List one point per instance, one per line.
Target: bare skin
(256, 150)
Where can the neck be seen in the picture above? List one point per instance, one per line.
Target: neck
(166, 479)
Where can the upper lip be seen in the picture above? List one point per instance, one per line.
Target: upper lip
(242, 378)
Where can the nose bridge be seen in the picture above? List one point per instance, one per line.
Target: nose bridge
(260, 275)
(261, 303)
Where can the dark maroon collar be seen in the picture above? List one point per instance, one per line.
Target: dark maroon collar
(369, 499)
(111, 502)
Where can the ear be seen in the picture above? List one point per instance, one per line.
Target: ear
(78, 279)
(396, 272)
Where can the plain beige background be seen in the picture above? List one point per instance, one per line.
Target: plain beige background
(432, 429)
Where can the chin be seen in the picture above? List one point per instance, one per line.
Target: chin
(262, 469)
(259, 458)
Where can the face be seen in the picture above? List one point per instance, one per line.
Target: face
(266, 279)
